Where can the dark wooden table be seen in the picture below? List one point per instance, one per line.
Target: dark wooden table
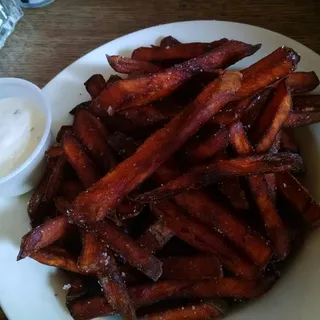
(48, 39)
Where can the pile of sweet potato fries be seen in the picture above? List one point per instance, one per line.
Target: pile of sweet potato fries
(176, 186)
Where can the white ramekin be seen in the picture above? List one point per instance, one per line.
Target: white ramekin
(27, 175)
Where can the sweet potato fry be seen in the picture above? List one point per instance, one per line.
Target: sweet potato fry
(145, 116)
(259, 188)
(299, 197)
(232, 111)
(116, 292)
(279, 63)
(95, 85)
(42, 236)
(169, 41)
(208, 148)
(229, 287)
(128, 209)
(203, 238)
(113, 78)
(70, 189)
(242, 166)
(78, 288)
(300, 82)
(239, 140)
(124, 145)
(276, 144)
(180, 104)
(271, 182)
(305, 110)
(64, 130)
(272, 221)
(155, 237)
(193, 267)
(55, 179)
(287, 144)
(309, 103)
(301, 118)
(97, 201)
(266, 127)
(83, 105)
(80, 161)
(54, 152)
(126, 65)
(271, 68)
(56, 257)
(131, 276)
(263, 73)
(224, 287)
(141, 295)
(128, 249)
(205, 209)
(37, 197)
(232, 190)
(97, 258)
(86, 129)
(258, 103)
(136, 92)
(183, 51)
(216, 216)
(93, 254)
(150, 293)
(89, 308)
(260, 75)
(196, 311)
(147, 294)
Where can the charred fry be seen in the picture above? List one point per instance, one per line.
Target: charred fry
(230, 287)
(55, 179)
(80, 161)
(169, 41)
(299, 197)
(127, 65)
(43, 235)
(183, 51)
(136, 92)
(54, 152)
(242, 166)
(197, 267)
(128, 249)
(269, 123)
(300, 82)
(232, 190)
(95, 85)
(209, 147)
(203, 310)
(56, 257)
(155, 237)
(88, 132)
(259, 188)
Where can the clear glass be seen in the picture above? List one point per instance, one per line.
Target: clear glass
(34, 3)
(10, 14)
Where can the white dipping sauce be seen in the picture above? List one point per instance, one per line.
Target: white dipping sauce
(22, 124)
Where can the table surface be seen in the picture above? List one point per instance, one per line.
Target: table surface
(48, 39)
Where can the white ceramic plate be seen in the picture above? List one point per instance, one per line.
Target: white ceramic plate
(29, 290)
